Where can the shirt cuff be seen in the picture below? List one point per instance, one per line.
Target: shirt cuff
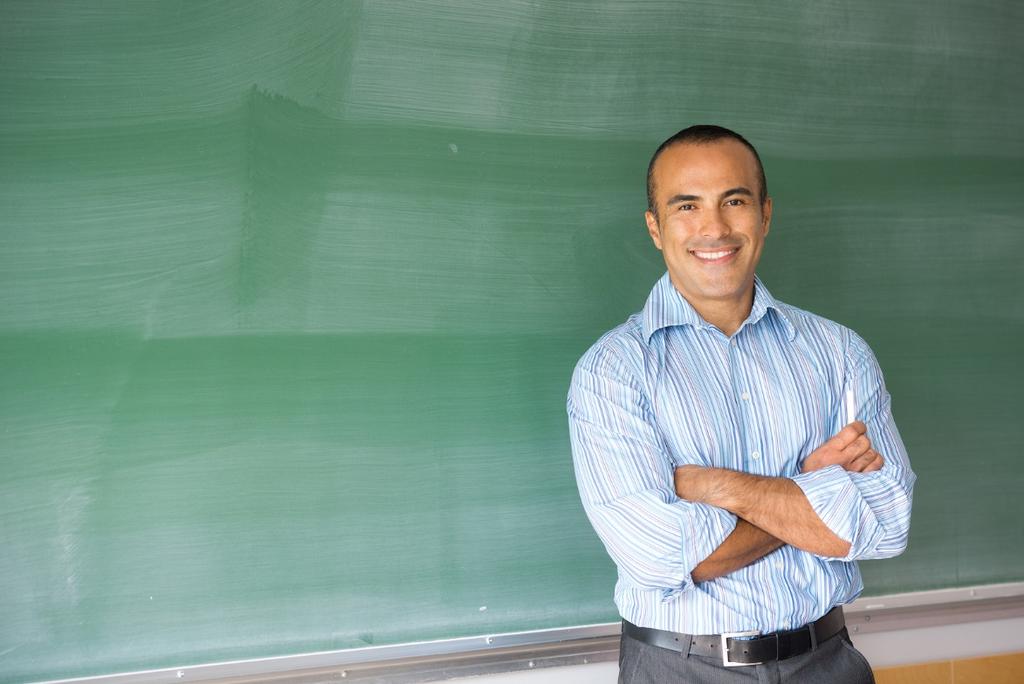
(703, 530)
(839, 504)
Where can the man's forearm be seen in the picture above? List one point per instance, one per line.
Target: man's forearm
(742, 547)
(776, 505)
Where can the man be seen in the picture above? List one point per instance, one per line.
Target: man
(715, 450)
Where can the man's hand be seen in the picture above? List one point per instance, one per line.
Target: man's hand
(849, 448)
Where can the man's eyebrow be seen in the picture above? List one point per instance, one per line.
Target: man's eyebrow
(676, 199)
(738, 190)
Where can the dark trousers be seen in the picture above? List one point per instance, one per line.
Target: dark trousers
(835, 661)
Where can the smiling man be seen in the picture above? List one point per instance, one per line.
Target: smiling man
(735, 454)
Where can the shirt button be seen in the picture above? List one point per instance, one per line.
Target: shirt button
(778, 565)
(745, 396)
(732, 342)
(755, 455)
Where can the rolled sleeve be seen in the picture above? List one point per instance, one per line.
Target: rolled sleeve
(869, 510)
(626, 482)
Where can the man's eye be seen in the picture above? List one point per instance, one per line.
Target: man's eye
(734, 202)
(687, 207)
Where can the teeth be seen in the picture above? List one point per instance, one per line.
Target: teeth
(713, 255)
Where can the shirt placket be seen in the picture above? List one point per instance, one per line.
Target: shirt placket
(743, 395)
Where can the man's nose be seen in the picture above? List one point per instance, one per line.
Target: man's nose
(715, 225)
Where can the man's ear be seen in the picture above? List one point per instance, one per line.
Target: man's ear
(766, 215)
(652, 228)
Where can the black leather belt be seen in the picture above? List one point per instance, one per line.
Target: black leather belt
(744, 648)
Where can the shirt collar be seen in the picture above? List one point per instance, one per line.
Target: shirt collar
(665, 308)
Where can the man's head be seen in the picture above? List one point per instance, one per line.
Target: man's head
(703, 133)
(709, 213)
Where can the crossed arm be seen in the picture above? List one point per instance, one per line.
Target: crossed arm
(773, 511)
(667, 527)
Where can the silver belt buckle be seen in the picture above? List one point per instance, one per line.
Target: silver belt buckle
(725, 647)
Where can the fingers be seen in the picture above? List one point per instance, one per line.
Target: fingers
(857, 448)
(848, 434)
(848, 446)
(869, 461)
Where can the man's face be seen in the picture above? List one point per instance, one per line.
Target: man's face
(710, 225)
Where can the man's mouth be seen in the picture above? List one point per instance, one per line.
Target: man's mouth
(711, 256)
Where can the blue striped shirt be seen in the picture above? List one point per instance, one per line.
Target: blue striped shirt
(665, 389)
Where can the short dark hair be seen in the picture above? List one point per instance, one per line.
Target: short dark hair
(702, 133)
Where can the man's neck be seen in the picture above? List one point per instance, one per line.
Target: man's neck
(726, 314)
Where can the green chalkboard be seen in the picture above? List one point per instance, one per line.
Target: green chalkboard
(290, 295)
